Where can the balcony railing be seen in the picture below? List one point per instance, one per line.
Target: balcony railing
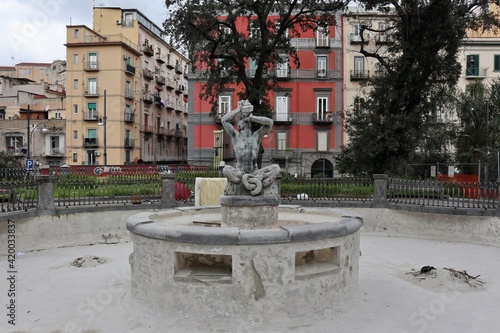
(159, 58)
(129, 93)
(356, 38)
(55, 152)
(147, 74)
(323, 118)
(322, 74)
(129, 69)
(283, 118)
(359, 75)
(129, 143)
(384, 39)
(178, 69)
(147, 129)
(90, 142)
(475, 72)
(160, 80)
(129, 117)
(283, 73)
(90, 115)
(147, 49)
(91, 92)
(148, 98)
(90, 66)
(170, 84)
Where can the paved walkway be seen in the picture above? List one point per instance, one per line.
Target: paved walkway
(54, 296)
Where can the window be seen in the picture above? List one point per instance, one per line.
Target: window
(92, 64)
(77, 33)
(253, 30)
(496, 62)
(472, 65)
(321, 66)
(25, 71)
(75, 135)
(75, 59)
(252, 67)
(282, 67)
(359, 104)
(277, 28)
(92, 86)
(224, 105)
(359, 66)
(14, 142)
(322, 37)
(75, 108)
(75, 84)
(281, 140)
(91, 133)
(54, 145)
(57, 114)
(128, 19)
(321, 108)
(322, 140)
(2, 114)
(75, 157)
(282, 108)
(92, 111)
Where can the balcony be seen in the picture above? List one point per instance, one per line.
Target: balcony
(147, 129)
(129, 69)
(55, 152)
(90, 143)
(129, 143)
(360, 75)
(129, 116)
(91, 66)
(159, 58)
(283, 73)
(160, 80)
(170, 105)
(179, 107)
(147, 50)
(170, 84)
(147, 74)
(282, 118)
(180, 89)
(90, 115)
(322, 74)
(129, 93)
(91, 92)
(178, 69)
(148, 98)
(473, 73)
(384, 39)
(169, 64)
(324, 118)
(356, 39)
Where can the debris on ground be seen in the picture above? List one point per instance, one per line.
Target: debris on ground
(88, 261)
(445, 279)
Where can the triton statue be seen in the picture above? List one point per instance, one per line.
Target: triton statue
(246, 178)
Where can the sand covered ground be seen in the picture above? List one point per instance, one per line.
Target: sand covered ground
(86, 289)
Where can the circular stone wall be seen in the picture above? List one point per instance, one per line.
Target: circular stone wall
(185, 265)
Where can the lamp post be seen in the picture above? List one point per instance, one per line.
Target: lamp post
(102, 122)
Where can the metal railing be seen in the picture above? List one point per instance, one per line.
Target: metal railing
(95, 185)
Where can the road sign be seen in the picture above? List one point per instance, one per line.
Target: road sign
(29, 164)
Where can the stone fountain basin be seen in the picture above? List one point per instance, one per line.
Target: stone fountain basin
(185, 264)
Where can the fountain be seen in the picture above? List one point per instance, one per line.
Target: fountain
(249, 259)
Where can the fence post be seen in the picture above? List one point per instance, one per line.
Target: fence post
(380, 188)
(45, 184)
(168, 190)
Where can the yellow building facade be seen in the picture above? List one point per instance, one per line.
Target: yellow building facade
(120, 108)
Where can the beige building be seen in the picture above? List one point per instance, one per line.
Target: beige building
(358, 69)
(126, 92)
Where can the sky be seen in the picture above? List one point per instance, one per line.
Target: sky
(35, 30)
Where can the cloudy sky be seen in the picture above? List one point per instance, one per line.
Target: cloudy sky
(35, 30)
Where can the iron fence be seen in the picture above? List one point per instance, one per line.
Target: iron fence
(90, 186)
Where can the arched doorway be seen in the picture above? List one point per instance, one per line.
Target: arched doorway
(322, 168)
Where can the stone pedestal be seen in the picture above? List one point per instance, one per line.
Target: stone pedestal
(248, 212)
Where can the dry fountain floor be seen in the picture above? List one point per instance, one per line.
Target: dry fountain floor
(53, 295)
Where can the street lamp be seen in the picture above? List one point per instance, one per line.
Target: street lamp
(102, 122)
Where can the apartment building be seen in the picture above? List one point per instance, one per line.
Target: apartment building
(31, 121)
(308, 127)
(358, 69)
(126, 92)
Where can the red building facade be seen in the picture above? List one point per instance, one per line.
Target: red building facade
(308, 127)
